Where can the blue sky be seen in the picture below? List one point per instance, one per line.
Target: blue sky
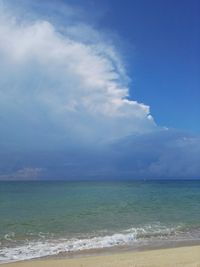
(163, 55)
(100, 89)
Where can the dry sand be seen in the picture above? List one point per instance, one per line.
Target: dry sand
(173, 257)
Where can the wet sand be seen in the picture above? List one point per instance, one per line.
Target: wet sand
(168, 257)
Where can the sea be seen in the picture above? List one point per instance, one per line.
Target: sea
(39, 219)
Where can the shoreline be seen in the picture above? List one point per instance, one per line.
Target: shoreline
(140, 247)
(188, 256)
(178, 253)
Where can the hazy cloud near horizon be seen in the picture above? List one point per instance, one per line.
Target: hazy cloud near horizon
(65, 110)
(157, 155)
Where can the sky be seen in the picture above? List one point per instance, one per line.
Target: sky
(165, 36)
(99, 90)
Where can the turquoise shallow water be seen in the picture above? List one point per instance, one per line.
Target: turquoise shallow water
(72, 216)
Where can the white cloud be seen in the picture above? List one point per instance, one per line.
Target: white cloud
(63, 81)
(23, 174)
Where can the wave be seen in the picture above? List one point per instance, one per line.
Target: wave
(47, 247)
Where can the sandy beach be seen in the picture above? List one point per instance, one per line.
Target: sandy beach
(182, 256)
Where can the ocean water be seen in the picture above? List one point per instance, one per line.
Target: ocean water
(46, 218)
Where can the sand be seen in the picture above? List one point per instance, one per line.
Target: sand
(173, 257)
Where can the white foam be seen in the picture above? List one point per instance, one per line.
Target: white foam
(40, 249)
(35, 249)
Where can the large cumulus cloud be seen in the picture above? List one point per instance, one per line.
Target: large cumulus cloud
(62, 85)
(65, 110)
